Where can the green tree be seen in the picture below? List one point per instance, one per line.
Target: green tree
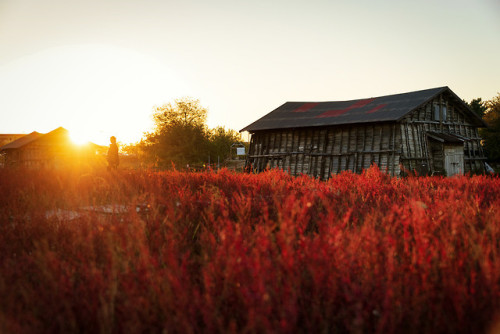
(478, 106)
(184, 111)
(491, 135)
(221, 141)
(179, 136)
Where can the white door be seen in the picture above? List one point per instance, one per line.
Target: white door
(453, 159)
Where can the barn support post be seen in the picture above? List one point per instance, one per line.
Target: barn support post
(257, 151)
(425, 147)
(310, 165)
(356, 149)
(324, 158)
(348, 147)
(363, 156)
(407, 162)
(372, 155)
(380, 146)
(260, 152)
(272, 149)
(304, 148)
(299, 132)
(286, 159)
(267, 151)
(330, 168)
(392, 147)
(417, 149)
(248, 160)
(441, 112)
(340, 151)
(313, 158)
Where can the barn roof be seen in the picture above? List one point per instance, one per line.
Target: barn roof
(375, 109)
(18, 143)
(40, 137)
(60, 135)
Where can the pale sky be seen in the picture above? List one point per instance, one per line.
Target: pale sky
(98, 67)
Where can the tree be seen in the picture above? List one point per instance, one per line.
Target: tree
(221, 141)
(491, 135)
(185, 111)
(179, 136)
(478, 106)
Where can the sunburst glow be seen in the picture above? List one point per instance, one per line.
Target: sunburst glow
(94, 90)
(78, 138)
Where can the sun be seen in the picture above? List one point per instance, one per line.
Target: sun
(97, 90)
(78, 138)
(86, 133)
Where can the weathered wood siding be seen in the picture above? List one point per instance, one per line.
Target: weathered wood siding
(323, 151)
(419, 153)
(37, 155)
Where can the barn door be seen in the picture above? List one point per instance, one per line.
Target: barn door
(453, 159)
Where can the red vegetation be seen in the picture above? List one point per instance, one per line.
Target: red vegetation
(338, 112)
(223, 252)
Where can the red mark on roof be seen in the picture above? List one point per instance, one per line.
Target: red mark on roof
(338, 112)
(377, 108)
(306, 107)
(333, 113)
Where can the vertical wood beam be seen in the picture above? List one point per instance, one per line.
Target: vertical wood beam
(356, 157)
(330, 167)
(339, 167)
(381, 138)
(348, 147)
(372, 155)
(297, 156)
(324, 157)
(390, 158)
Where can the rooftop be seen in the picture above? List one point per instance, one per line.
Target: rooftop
(368, 110)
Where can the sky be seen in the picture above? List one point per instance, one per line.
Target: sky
(98, 67)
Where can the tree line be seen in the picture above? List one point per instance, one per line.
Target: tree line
(181, 138)
(489, 111)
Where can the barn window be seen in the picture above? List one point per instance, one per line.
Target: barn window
(436, 115)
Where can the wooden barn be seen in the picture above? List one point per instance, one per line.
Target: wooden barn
(8, 138)
(53, 149)
(430, 131)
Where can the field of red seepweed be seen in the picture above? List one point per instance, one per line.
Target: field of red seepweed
(223, 252)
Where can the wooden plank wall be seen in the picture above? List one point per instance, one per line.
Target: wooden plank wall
(416, 150)
(323, 151)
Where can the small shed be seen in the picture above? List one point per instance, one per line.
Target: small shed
(18, 152)
(6, 138)
(53, 149)
(430, 131)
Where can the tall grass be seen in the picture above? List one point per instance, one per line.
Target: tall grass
(224, 252)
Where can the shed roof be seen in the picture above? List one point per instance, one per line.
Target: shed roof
(375, 109)
(18, 143)
(445, 137)
(39, 137)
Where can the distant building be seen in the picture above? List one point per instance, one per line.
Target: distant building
(8, 138)
(430, 131)
(53, 149)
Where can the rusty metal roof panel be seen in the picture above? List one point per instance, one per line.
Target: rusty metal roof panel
(376, 109)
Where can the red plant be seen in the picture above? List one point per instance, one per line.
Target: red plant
(224, 252)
